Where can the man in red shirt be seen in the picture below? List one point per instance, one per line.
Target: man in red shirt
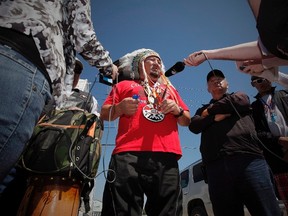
(145, 158)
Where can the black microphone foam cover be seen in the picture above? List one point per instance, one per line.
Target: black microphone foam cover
(178, 67)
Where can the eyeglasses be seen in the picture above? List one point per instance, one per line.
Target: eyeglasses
(258, 81)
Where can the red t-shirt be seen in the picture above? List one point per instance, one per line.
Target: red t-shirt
(138, 133)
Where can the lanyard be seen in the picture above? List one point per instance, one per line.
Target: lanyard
(271, 108)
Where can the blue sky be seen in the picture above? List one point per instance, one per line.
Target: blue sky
(174, 29)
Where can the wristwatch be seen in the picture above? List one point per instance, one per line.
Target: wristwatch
(180, 113)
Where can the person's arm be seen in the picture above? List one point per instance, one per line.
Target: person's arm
(200, 121)
(257, 69)
(254, 6)
(110, 112)
(282, 79)
(242, 51)
(170, 106)
(87, 44)
(184, 119)
(273, 75)
(273, 62)
(230, 104)
(128, 106)
(258, 66)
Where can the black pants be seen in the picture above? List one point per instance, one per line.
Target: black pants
(133, 174)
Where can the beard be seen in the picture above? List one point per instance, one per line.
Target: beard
(154, 74)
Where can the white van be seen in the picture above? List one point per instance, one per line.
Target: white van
(196, 201)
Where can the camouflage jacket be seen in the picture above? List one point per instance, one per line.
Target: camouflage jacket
(59, 28)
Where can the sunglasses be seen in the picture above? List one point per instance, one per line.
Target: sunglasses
(258, 81)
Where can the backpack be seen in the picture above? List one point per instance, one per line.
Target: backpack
(67, 143)
(80, 99)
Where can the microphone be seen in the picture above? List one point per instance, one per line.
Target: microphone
(178, 67)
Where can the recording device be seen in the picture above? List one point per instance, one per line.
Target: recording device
(178, 67)
(123, 75)
(105, 80)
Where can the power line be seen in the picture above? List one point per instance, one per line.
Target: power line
(108, 144)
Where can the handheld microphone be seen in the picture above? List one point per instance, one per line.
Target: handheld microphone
(178, 67)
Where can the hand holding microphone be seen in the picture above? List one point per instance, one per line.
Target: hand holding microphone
(195, 59)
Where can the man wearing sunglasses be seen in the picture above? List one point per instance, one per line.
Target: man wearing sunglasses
(270, 112)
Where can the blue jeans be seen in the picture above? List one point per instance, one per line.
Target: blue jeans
(24, 92)
(235, 181)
